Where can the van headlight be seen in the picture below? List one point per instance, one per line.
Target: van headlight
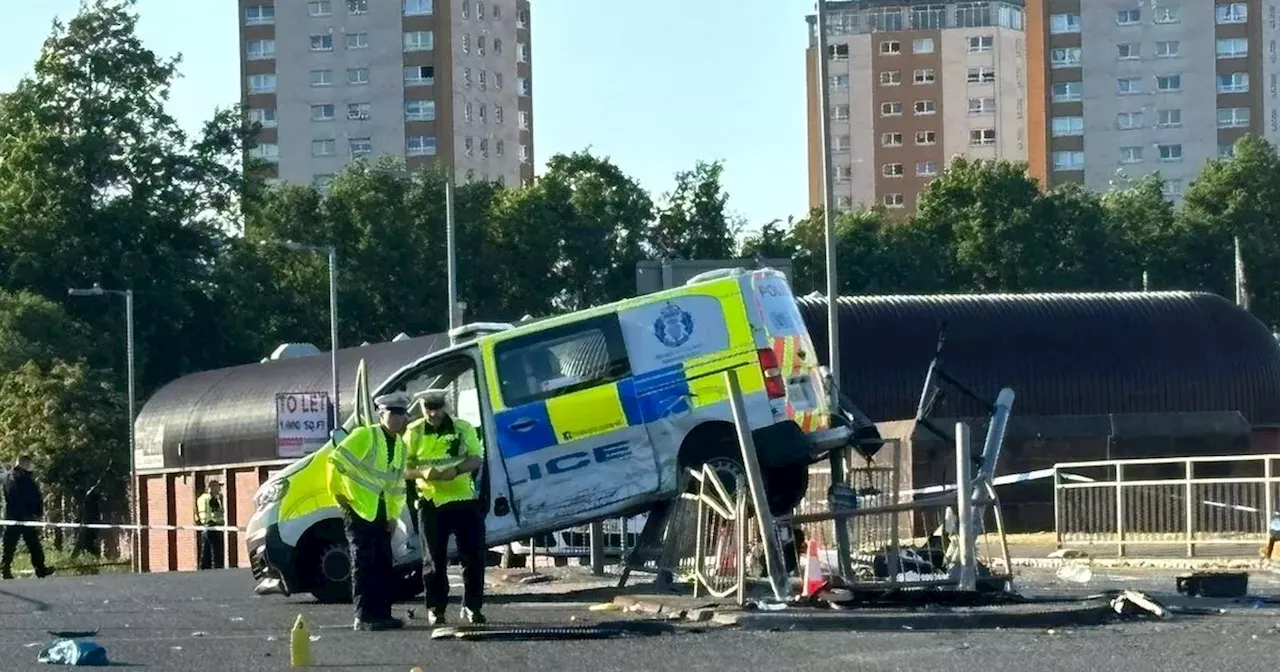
(270, 493)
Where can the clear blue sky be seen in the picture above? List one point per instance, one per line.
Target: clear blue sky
(656, 85)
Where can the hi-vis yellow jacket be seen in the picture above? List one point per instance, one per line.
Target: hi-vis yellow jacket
(360, 471)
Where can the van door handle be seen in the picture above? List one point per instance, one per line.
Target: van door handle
(522, 425)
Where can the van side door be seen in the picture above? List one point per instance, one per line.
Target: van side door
(569, 428)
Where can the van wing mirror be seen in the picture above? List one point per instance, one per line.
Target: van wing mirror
(337, 435)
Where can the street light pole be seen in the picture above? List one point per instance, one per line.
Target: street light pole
(450, 231)
(134, 517)
(331, 252)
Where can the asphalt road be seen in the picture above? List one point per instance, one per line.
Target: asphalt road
(212, 621)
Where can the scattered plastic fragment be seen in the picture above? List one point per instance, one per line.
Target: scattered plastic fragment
(314, 638)
(199, 633)
(1133, 603)
(74, 652)
(1075, 573)
(237, 619)
(607, 606)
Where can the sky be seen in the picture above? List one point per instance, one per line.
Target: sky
(654, 85)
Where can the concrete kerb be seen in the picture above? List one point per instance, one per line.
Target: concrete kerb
(1141, 563)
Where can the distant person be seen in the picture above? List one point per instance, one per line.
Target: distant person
(211, 511)
(22, 501)
(1273, 538)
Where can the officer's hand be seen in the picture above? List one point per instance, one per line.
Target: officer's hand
(446, 474)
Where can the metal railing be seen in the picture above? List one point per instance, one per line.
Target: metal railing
(1176, 501)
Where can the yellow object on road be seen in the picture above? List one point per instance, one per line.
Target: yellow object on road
(300, 643)
(607, 606)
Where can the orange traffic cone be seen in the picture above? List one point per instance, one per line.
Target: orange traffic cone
(814, 578)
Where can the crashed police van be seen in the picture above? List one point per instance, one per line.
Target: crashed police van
(586, 416)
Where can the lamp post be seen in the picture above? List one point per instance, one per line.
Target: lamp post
(332, 253)
(96, 290)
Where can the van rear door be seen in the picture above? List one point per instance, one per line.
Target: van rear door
(784, 331)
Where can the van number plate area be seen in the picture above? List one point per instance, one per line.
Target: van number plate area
(801, 394)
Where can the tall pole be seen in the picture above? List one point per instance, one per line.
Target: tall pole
(333, 332)
(450, 250)
(835, 458)
(133, 455)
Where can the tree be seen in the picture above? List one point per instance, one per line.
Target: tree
(69, 420)
(692, 223)
(35, 329)
(1142, 224)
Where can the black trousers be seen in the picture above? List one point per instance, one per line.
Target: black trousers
(212, 545)
(31, 537)
(465, 521)
(370, 547)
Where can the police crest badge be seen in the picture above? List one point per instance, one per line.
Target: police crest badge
(674, 326)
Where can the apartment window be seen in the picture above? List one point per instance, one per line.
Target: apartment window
(466, 113)
(1066, 92)
(322, 112)
(419, 75)
(324, 147)
(841, 82)
(973, 15)
(419, 110)
(844, 202)
(841, 143)
(358, 111)
(1233, 47)
(357, 6)
(321, 78)
(893, 200)
(890, 47)
(484, 117)
(980, 137)
(417, 7)
(321, 43)
(497, 45)
(259, 15)
(1170, 152)
(497, 81)
(1236, 82)
(360, 146)
(524, 154)
(843, 173)
(1233, 117)
(266, 116)
(838, 52)
(1129, 85)
(1226, 150)
(1129, 17)
(1067, 126)
(1127, 121)
(322, 181)
(357, 40)
(1167, 49)
(258, 50)
(1067, 57)
(924, 107)
(268, 151)
(497, 114)
(1172, 188)
(420, 145)
(483, 79)
(1068, 160)
(890, 109)
(1168, 118)
(499, 148)
(522, 120)
(982, 75)
(320, 8)
(497, 12)
(419, 40)
(887, 78)
(522, 18)
(929, 17)
(981, 43)
(1168, 82)
(926, 137)
(1130, 155)
(1235, 12)
(484, 150)
(1063, 23)
(923, 45)
(1129, 51)
(262, 83)
(926, 76)
(522, 52)
(841, 113)
(982, 105)
(1166, 15)
(466, 43)
(357, 76)
(892, 170)
(891, 140)
(926, 169)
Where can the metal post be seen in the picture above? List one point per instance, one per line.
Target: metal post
(450, 249)
(964, 510)
(1057, 506)
(755, 481)
(895, 531)
(1189, 509)
(336, 420)
(136, 546)
(1268, 496)
(1119, 510)
(596, 533)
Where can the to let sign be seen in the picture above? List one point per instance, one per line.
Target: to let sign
(302, 422)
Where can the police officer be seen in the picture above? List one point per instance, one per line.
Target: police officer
(366, 478)
(22, 501)
(444, 453)
(210, 511)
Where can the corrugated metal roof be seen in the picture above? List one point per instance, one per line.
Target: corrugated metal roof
(1064, 354)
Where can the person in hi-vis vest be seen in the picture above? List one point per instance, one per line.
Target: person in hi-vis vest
(211, 511)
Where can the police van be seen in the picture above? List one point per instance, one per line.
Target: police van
(587, 416)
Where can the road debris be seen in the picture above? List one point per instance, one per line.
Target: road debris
(74, 652)
(1131, 603)
(1075, 573)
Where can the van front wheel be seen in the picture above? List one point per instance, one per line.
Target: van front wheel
(332, 573)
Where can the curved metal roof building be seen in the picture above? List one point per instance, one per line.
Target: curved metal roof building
(1064, 354)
